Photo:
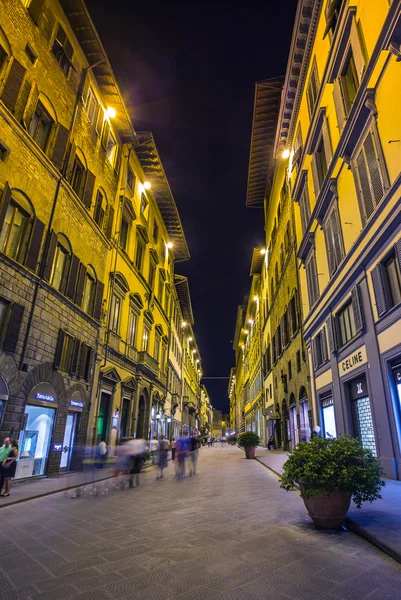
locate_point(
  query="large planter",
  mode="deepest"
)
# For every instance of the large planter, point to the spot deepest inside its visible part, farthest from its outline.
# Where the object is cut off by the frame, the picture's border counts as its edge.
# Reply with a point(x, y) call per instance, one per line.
point(327, 511)
point(250, 452)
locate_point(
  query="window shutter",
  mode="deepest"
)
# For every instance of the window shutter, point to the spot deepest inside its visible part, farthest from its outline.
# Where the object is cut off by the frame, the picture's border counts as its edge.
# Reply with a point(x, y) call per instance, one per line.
point(80, 285)
point(337, 235)
point(339, 102)
point(327, 141)
point(283, 337)
point(314, 352)
point(289, 321)
point(82, 360)
point(32, 257)
point(74, 357)
point(357, 308)
point(70, 160)
point(4, 202)
point(364, 184)
point(110, 219)
point(35, 9)
point(72, 279)
point(330, 245)
point(398, 252)
point(374, 169)
point(30, 106)
point(323, 345)
point(59, 349)
point(66, 274)
point(13, 84)
point(13, 329)
point(357, 50)
point(98, 207)
point(60, 145)
point(89, 187)
point(378, 288)
point(51, 246)
point(315, 176)
point(89, 354)
point(331, 334)
point(97, 306)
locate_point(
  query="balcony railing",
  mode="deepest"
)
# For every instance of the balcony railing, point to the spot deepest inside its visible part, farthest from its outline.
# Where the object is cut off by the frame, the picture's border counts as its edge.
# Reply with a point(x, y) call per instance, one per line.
point(116, 342)
point(148, 361)
point(131, 352)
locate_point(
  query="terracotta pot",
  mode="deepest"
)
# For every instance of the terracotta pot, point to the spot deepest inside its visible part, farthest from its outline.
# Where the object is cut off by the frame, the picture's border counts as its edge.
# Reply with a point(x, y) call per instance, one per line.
point(250, 452)
point(327, 511)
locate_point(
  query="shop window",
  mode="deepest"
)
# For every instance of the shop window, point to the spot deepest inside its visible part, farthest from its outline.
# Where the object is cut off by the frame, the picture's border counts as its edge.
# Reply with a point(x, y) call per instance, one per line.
point(139, 253)
point(115, 314)
point(89, 290)
point(16, 228)
point(132, 328)
point(312, 279)
point(62, 50)
point(145, 338)
point(334, 239)
point(34, 442)
point(346, 324)
point(387, 281)
point(130, 179)
point(369, 172)
point(304, 205)
point(151, 275)
point(124, 232)
point(41, 126)
point(100, 213)
point(66, 353)
point(61, 264)
point(312, 89)
point(78, 176)
point(328, 417)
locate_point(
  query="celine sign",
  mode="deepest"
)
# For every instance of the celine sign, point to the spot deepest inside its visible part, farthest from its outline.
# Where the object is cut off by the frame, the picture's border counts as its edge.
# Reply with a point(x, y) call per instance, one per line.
point(76, 403)
point(45, 397)
point(353, 361)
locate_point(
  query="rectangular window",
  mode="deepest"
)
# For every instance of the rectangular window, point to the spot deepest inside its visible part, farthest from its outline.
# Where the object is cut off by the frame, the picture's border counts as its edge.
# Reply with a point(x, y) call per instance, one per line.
point(334, 240)
point(304, 205)
point(346, 326)
point(59, 266)
point(130, 179)
point(392, 275)
point(99, 215)
point(66, 353)
point(350, 83)
point(124, 233)
point(298, 360)
point(140, 249)
point(321, 162)
point(155, 232)
point(115, 311)
point(92, 107)
point(329, 422)
point(78, 177)
point(63, 50)
point(132, 328)
point(167, 302)
point(144, 204)
point(108, 141)
point(369, 173)
point(152, 272)
point(15, 231)
point(41, 126)
point(313, 89)
point(289, 370)
point(156, 348)
point(160, 289)
point(30, 54)
point(319, 349)
point(312, 280)
point(145, 338)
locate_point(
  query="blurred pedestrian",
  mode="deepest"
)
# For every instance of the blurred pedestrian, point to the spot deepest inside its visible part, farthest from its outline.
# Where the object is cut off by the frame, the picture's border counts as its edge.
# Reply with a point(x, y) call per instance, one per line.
point(173, 449)
point(270, 443)
point(182, 450)
point(138, 451)
point(162, 451)
point(153, 449)
point(193, 455)
point(209, 441)
point(8, 465)
point(102, 452)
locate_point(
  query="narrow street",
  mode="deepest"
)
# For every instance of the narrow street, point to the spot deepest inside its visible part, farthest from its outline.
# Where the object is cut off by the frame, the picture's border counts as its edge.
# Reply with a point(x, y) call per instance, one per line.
point(227, 533)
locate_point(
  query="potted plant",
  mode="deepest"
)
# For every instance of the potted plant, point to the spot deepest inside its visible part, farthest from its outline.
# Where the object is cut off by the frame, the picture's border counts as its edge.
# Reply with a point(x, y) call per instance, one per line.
point(248, 441)
point(330, 472)
point(232, 440)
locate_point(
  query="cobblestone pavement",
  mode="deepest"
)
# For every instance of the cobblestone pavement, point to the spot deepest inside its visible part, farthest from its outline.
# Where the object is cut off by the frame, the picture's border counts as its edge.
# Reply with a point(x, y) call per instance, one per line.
point(228, 533)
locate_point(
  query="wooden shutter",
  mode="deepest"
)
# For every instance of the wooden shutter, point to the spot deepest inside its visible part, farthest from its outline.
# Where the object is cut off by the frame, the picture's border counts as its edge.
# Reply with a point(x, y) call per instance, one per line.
point(60, 145)
point(398, 253)
point(89, 187)
point(35, 9)
point(4, 202)
point(70, 160)
point(315, 176)
point(357, 50)
point(98, 207)
point(51, 245)
point(97, 305)
point(66, 274)
point(323, 345)
point(364, 184)
point(110, 219)
point(314, 352)
point(32, 257)
point(89, 354)
point(72, 278)
point(23, 100)
point(337, 235)
point(79, 292)
point(331, 334)
point(327, 141)
point(13, 329)
point(59, 349)
point(329, 236)
point(374, 168)
point(379, 290)
point(82, 360)
point(30, 106)
point(357, 308)
point(75, 357)
point(339, 102)
point(13, 84)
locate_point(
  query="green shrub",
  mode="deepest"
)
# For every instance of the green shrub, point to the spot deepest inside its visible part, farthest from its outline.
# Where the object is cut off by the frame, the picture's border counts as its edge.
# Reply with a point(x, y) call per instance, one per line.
point(232, 440)
point(335, 465)
point(248, 439)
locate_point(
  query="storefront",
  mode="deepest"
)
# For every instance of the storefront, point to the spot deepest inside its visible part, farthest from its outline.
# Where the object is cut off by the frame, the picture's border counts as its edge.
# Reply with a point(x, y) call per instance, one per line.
point(329, 428)
point(124, 419)
point(361, 413)
point(103, 418)
point(73, 422)
point(36, 435)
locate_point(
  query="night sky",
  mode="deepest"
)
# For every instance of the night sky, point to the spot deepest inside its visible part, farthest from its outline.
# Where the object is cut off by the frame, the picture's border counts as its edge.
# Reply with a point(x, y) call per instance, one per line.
point(187, 72)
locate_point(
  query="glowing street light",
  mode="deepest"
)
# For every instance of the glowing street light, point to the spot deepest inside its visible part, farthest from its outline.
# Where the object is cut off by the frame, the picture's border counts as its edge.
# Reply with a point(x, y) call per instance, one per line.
point(111, 112)
point(256, 298)
point(169, 244)
point(147, 185)
point(263, 251)
point(184, 324)
point(285, 153)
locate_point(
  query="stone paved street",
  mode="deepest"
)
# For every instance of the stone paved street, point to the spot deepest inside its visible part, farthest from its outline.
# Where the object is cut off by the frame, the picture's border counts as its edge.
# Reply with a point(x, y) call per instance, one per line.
point(229, 533)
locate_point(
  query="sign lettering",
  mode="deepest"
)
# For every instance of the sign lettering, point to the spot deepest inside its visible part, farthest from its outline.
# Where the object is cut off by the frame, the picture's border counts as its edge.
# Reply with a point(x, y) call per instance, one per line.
point(57, 447)
point(45, 397)
point(76, 403)
point(353, 361)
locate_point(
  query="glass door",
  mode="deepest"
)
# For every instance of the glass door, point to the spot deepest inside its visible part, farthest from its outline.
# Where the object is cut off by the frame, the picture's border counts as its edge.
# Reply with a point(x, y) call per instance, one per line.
point(68, 442)
point(35, 440)
point(103, 417)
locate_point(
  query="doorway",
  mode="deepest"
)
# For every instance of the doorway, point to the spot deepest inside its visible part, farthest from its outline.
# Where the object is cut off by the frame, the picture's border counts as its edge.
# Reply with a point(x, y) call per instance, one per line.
point(103, 417)
point(68, 442)
point(124, 418)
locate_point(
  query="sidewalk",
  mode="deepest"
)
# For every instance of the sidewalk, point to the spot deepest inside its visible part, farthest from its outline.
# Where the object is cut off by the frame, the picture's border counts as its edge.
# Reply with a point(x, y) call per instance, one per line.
point(380, 522)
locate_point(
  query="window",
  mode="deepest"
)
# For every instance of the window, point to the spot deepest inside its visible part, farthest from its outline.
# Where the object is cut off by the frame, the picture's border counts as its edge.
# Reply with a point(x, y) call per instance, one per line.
point(152, 272)
point(62, 50)
point(16, 229)
point(334, 240)
point(312, 280)
point(391, 272)
point(144, 204)
point(387, 281)
point(89, 291)
point(160, 289)
point(92, 107)
point(145, 338)
point(66, 353)
point(346, 324)
point(130, 179)
point(3, 57)
point(304, 205)
point(41, 126)
point(297, 147)
point(61, 265)
point(132, 328)
point(100, 213)
point(298, 361)
point(369, 173)
point(4, 312)
point(115, 312)
point(156, 352)
point(350, 83)
point(313, 89)
point(320, 162)
point(155, 234)
point(328, 418)
point(289, 370)
point(109, 142)
point(140, 249)
point(30, 54)
point(293, 321)
point(332, 12)
point(78, 176)
point(167, 301)
point(319, 347)
point(124, 232)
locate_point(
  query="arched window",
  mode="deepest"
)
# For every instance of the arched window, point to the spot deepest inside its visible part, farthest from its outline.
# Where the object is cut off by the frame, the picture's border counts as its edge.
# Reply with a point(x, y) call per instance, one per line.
point(61, 263)
point(89, 290)
point(5, 50)
point(17, 224)
point(41, 120)
point(100, 213)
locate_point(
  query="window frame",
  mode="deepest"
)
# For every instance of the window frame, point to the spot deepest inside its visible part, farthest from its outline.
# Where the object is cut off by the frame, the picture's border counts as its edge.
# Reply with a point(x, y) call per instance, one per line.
point(24, 233)
point(115, 313)
point(59, 51)
point(312, 277)
point(313, 82)
point(349, 309)
point(34, 134)
point(332, 233)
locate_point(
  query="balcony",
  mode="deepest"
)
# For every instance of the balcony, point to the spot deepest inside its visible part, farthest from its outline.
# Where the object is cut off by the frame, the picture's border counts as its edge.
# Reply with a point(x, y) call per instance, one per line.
point(116, 343)
point(148, 363)
point(131, 352)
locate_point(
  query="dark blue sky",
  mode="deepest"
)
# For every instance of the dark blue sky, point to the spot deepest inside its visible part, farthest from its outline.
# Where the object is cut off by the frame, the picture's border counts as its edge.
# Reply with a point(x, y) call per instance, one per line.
point(187, 72)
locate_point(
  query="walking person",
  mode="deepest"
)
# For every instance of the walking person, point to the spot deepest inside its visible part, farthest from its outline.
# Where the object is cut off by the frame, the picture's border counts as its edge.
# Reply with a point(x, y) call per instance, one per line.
point(153, 449)
point(137, 453)
point(102, 452)
point(162, 451)
point(193, 455)
point(8, 467)
point(173, 449)
point(181, 457)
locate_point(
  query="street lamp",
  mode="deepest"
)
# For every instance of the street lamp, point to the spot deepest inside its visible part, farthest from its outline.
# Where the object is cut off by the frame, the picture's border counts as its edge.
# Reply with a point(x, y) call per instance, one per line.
point(111, 112)
point(147, 185)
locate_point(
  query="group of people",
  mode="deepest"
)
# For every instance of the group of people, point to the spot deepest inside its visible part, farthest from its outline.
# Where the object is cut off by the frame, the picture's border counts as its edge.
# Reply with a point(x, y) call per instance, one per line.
point(185, 450)
point(8, 465)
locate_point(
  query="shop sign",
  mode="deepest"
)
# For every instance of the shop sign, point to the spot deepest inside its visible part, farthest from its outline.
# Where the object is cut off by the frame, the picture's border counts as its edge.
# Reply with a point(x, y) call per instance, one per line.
point(77, 403)
point(57, 447)
point(353, 361)
point(358, 388)
point(44, 397)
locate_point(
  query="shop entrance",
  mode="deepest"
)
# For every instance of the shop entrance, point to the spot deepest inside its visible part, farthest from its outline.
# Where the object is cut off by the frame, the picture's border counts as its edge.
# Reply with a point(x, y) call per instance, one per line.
point(124, 418)
point(103, 417)
point(328, 418)
point(362, 413)
point(68, 442)
point(35, 440)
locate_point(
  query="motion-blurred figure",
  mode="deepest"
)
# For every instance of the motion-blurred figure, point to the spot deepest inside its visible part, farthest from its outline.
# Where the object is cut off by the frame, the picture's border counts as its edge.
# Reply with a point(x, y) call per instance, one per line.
point(182, 452)
point(161, 460)
point(173, 449)
point(153, 449)
point(137, 449)
point(193, 454)
point(102, 452)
